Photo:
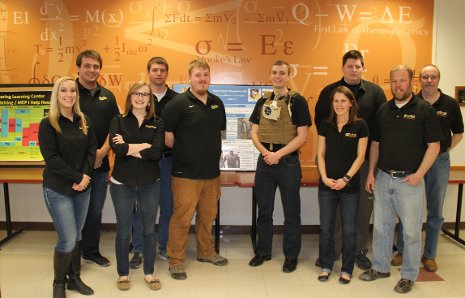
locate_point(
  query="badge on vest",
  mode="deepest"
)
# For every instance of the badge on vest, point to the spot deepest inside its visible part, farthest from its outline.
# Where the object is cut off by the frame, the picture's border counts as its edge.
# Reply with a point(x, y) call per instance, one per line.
point(271, 111)
point(102, 98)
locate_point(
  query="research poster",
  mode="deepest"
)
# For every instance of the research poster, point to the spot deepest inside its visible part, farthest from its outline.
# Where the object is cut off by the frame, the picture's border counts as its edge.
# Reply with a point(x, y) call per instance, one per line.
point(238, 151)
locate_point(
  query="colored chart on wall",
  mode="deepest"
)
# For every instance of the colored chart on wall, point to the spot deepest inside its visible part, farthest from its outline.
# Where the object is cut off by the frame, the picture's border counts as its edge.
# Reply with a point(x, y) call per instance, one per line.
point(21, 110)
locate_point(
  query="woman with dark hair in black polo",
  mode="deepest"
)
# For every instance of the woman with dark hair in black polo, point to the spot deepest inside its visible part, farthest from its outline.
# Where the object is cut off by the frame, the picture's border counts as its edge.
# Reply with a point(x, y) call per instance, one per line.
point(342, 142)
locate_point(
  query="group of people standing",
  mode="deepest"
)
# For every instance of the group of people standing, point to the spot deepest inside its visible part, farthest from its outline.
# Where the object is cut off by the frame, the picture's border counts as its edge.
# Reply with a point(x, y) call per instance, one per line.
point(167, 147)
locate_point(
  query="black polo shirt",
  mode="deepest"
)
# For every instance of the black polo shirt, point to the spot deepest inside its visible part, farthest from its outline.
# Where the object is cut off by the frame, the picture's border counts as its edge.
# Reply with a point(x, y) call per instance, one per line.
point(161, 102)
point(100, 108)
point(369, 97)
point(341, 151)
point(450, 118)
point(160, 106)
point(403, 134)
point(299, 110)
point(197, 134)
point(68, 155)
point(131, 170)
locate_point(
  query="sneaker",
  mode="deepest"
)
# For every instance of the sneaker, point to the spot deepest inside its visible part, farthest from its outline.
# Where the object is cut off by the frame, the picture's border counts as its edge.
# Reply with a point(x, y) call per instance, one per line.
point(177, 271)
point(136, 260)
point(214, 259)
point(97, 259)
point(372, 274)
point(162, 255)
point(362, 261)
point(404, 286)
point(429, 264)
point(397, 260)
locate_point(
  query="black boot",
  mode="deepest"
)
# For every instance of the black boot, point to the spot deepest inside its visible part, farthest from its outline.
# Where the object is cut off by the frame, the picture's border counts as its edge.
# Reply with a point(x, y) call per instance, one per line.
point(74, 273)
point(61, 263)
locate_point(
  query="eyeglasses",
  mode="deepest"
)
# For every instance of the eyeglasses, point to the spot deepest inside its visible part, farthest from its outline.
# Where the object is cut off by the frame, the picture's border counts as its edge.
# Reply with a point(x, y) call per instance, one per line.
point(143, 94)
point(433, 78)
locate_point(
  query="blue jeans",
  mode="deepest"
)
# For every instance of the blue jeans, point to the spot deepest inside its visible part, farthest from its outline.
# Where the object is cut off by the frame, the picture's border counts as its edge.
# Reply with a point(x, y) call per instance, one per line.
point(287, 175)
point(395, 197)
point(91, 231)
point(68, 214)
point(166, 201)
point(348, 205)
point(124, 200)
point(137, 230)
point(436, 180)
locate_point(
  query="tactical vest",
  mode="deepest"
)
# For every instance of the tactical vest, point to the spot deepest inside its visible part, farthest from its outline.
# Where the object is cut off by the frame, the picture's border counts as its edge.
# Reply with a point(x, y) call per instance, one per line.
point(280, 131)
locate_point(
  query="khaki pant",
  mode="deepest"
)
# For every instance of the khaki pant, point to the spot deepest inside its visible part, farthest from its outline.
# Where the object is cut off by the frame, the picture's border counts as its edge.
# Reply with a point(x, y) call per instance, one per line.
point(189, 196)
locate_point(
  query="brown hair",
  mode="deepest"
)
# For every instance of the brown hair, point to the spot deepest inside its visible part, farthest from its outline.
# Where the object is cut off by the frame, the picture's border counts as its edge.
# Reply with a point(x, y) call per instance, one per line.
point(282, 62)
point(353, 109)
point(150, 106)
point(157, 60)
point(89, 54)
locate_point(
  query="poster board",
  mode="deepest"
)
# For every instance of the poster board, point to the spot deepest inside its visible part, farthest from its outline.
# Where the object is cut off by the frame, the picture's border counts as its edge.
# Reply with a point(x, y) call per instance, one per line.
point(22, 107)
point(238, 151)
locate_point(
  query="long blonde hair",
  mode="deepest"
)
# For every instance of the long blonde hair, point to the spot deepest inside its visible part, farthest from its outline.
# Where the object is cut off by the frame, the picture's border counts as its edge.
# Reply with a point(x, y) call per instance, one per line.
point(54, 112)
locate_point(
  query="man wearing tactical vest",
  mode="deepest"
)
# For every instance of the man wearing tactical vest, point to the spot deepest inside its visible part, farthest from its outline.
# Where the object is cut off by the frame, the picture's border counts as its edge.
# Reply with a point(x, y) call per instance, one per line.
point(279, 128)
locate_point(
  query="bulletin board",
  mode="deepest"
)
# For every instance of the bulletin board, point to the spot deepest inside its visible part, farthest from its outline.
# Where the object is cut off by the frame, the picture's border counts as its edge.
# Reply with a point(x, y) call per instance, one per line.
point(22, 107)
point(39, 40)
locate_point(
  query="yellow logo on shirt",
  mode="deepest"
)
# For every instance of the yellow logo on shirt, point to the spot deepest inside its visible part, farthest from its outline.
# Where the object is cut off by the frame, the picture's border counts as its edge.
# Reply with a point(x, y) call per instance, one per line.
point(409, 117)
point(441, 114)
point(214, 107)
point(102, 98)
point(350, 135)
point(150, 126)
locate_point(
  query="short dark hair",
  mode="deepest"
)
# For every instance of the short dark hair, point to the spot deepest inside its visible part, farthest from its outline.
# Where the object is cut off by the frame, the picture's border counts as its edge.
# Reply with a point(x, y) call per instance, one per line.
point(282, 62)
point(353, 54)
point(89, 54)
point(157, 60)
point(402, 67)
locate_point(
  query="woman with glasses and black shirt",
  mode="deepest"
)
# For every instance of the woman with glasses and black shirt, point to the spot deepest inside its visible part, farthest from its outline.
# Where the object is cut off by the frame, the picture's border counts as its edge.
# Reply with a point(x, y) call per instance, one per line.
point(137, 138)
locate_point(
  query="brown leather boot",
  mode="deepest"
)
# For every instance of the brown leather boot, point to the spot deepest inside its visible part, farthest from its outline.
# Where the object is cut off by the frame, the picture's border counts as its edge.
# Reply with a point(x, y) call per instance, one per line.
point(60, 265)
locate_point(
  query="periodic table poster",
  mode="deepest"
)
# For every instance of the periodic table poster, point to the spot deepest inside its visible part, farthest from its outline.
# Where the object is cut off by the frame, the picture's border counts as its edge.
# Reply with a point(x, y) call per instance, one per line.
point(39, 40)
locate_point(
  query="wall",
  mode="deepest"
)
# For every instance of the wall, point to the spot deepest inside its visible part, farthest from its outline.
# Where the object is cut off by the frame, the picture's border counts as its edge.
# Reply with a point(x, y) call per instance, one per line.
point(448, 56)
point(27, 203)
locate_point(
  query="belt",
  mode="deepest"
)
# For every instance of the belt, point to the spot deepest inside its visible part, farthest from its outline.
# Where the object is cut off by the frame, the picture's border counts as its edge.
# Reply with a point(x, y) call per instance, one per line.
point(397, 174)
point(275, 147)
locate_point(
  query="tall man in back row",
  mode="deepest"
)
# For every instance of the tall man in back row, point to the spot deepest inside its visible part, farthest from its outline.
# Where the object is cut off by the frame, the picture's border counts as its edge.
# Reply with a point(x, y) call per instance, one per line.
point(437, 178)
point(99, 104)
point(405, 143)
point(280, 121)
point(369, 97)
